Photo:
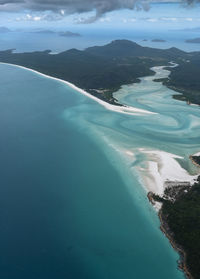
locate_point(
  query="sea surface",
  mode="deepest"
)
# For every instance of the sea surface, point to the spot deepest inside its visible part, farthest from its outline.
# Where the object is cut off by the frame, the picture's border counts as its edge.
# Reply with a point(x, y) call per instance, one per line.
point(72, 204)
point(25, 41)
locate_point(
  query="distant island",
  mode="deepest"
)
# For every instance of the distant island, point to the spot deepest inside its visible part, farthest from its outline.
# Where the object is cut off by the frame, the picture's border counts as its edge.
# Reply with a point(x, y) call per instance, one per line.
point(61, 33)
point(195, 29)
point(102, 70)
point(45, 32)
point(193, 41)
point(69, 34)
point(4, 29)
point(158, 41)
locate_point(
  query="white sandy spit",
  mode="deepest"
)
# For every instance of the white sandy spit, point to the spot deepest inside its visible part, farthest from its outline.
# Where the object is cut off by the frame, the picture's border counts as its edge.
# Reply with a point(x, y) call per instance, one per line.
point(121, 109)
point(196, 154)
point(163, 167)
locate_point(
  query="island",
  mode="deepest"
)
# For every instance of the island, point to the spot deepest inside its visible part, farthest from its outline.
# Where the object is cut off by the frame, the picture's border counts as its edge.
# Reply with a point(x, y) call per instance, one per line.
point(158, 41)
point(61, 33)
point(193, 41)
point(4, 29)
point(102, 70)
point(44, 32)
point(69, 34)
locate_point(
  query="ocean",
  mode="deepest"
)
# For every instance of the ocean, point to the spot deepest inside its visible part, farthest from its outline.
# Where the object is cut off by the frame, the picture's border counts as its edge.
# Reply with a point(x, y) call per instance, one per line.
point(25, 41)
point(72, 205)
point(74, 175)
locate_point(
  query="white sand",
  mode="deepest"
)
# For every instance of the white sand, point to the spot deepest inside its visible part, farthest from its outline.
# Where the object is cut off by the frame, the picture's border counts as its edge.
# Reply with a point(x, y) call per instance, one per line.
point(196, 154)
point(120, 109)
point(162, 167)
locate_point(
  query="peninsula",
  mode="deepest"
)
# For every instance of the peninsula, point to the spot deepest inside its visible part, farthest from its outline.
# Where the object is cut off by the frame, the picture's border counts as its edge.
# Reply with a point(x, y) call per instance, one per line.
point(102, 70)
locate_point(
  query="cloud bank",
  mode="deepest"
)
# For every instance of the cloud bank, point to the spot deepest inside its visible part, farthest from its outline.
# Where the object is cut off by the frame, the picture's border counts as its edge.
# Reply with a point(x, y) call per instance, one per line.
point(66, 7)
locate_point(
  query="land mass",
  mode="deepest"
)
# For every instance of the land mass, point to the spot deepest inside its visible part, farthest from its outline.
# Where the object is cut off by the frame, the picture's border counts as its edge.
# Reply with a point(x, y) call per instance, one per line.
point(193, 41)
point(101, 70)
point(64, 33)
point(180, 221)
point(69, 34)
point(158, 41)
point(4, 29)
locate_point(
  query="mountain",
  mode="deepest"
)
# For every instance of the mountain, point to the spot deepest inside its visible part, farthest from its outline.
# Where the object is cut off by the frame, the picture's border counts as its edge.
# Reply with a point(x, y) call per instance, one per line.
point(125, 48)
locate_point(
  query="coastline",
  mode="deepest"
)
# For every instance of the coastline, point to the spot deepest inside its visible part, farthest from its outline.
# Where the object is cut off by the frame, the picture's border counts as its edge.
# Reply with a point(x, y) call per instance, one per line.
point(155, 199)
point(158, 160)
point(183, 256)
point(120, 109)
point(169, 235)
point(162, 168)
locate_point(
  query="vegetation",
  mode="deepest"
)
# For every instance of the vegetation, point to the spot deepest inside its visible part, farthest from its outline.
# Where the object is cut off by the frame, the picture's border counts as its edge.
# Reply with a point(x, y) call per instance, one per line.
point(102, 70)
point(196, 159)
point(185, 79)
point(181, 217)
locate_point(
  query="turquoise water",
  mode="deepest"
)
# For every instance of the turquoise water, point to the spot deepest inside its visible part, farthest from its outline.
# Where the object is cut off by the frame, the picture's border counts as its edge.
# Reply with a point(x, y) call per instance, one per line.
point(72, 204)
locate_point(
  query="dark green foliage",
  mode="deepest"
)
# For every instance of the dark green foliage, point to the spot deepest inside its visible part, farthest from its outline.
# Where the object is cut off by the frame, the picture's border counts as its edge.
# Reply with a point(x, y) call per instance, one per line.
point(183, 219)
point(86, 69)
point(196, 159)
point(185, 79)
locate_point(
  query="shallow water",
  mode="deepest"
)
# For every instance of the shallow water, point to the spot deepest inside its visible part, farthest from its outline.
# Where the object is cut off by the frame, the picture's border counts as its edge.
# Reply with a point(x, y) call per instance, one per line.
point(72, 201)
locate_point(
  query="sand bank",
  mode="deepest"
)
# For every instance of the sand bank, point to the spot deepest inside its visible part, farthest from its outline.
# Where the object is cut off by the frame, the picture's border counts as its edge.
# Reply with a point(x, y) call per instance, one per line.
point(162, 167)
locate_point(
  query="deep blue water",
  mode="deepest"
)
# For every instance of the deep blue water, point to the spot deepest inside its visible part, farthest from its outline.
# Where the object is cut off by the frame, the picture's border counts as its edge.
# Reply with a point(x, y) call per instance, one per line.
point(66, 211)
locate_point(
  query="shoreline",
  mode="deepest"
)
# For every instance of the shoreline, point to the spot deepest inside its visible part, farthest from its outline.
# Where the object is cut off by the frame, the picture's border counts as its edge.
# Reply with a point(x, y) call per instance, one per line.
point(183, 256)
point(161, 169)
point(169, 235)
point(164, 227)
point(119, 109)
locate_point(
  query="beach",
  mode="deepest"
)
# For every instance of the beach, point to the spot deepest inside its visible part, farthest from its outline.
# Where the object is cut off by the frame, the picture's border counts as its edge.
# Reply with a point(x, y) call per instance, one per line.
point(123, 109)
point(161, 166)
point(72, 202)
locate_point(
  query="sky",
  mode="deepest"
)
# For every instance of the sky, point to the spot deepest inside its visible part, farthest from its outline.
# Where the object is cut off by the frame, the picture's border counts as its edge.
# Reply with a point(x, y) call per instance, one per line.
point(98, 13)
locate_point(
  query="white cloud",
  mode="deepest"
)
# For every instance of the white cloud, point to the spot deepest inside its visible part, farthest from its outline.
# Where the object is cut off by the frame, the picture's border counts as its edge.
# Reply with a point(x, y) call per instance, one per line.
point(133, 19)
point(189, 19)
point(105, 19)
point(39, 17)
point(152, 19)
point(168, 18)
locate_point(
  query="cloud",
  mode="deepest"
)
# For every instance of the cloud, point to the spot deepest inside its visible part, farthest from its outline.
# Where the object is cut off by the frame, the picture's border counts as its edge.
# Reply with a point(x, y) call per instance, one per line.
point(39, 17)
point(168, 18)
point(67, 7)
point(152, 19)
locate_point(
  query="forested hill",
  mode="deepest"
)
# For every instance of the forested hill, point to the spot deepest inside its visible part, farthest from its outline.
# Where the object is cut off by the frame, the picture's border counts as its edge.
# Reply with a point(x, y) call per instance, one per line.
point(102, 70)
